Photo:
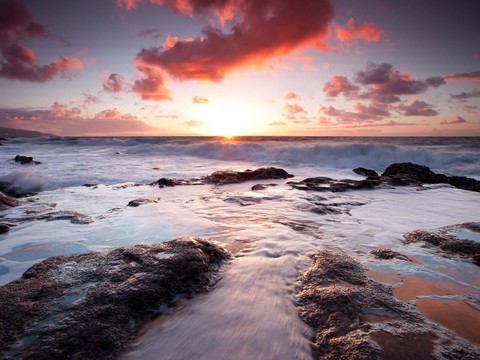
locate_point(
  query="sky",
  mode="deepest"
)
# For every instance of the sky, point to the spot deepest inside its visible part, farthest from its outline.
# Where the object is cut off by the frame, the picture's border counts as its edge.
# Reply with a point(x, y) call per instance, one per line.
point(241, 67)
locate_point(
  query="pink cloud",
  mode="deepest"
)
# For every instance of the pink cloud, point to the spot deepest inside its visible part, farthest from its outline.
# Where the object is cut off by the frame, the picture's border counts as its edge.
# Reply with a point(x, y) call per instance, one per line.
point(152, 85)
point(263, 30)
point(456, 120)
point(277, 123)
point(170, 42)
point(291, 96)
point(354, 30)
point(62, 120)
point(199, 100)
point(18, 62)
point(340, 85)
point(471, 76)
point(417, 108)
point(361, 114)
point(113, 83)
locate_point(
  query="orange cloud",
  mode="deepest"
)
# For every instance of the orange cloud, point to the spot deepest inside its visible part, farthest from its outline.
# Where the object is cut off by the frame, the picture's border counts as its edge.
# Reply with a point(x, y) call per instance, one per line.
point(354, 30)
point(263, 30)
point(291, 96)
point(471, 76)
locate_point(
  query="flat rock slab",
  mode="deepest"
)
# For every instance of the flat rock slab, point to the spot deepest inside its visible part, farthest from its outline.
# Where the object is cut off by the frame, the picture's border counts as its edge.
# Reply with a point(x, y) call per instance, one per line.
point(354, 317)
point(90, 306)
point(445, 240)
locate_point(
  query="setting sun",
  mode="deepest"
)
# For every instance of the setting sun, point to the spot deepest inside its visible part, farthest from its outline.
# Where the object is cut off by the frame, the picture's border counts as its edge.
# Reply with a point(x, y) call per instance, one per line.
point(227, 118)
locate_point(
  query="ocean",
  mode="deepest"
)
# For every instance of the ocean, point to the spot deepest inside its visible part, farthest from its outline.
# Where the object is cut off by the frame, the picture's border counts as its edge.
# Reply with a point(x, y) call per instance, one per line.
point(251, 312)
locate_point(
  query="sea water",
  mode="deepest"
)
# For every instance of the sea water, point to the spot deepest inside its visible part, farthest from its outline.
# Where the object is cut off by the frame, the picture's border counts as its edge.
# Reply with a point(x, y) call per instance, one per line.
point(250, 313)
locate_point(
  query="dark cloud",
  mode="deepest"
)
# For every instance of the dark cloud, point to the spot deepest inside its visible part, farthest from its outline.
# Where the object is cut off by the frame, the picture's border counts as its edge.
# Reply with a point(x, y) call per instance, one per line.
point(374, 74)
point(417, 108)
point(154, 33)
point(262, 30)
point(18, 62)
point(466, 95)
point(114, 83)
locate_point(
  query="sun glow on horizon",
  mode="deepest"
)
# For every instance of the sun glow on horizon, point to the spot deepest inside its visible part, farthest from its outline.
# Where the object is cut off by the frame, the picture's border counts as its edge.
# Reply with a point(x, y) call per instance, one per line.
point(227, 118)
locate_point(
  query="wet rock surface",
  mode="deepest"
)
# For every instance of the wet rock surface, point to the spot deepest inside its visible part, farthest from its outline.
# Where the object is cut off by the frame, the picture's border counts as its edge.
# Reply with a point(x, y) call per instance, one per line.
point(388, 254)
point(357, 318)
point(443, 239)
point(7, 202)
point(138, 202)
point(90, 306)
point(227, 177)
point(400, 174)
point(365, 172)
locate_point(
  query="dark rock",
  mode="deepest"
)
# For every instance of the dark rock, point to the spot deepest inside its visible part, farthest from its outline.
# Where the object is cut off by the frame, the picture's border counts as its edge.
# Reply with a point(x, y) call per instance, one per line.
point(4, 228)
point(401, 174)
point(259, 187)
point(138, 202)
point(228, 177)
point(365, 172)
point(336, 298)
point(417, 172)
point(90, 185)
point(25, 160)
point(446, 242)
point(91, 306)
point(7, 202)
point(388, 254)
point(236, 177)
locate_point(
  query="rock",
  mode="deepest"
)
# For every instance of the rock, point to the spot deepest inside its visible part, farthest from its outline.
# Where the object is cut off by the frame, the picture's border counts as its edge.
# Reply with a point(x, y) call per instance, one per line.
point(4, 228)
point(91, 306)
point(7, 202)
point(25, 160)
point(259, 187)
point(91, 185)
point(401, 174)
point(74, 217)
point(138, 202)
point(227, 177)
point(336, 299)
point(236, 177)
point(388, 254)
point(365, 172)
point(446, 242)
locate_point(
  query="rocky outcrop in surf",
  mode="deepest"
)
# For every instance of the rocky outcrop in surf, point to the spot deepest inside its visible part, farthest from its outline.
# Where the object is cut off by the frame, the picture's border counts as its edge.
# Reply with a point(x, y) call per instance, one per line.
point(225, 177)
point(399, 174)
point(90, 306)
point(26, 160)
point(355, 317)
